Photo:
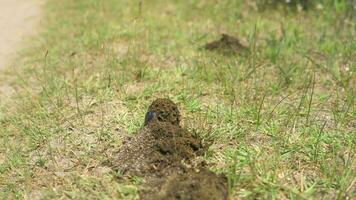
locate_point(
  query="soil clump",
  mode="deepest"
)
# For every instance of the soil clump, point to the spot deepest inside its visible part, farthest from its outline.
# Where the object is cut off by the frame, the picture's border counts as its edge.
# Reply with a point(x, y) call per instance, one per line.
point(200, 184)
point(163, 153)
point(227, 45)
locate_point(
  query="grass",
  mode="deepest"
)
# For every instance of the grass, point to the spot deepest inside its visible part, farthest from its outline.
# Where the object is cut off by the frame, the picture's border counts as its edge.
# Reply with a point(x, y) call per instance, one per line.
point(282, 119)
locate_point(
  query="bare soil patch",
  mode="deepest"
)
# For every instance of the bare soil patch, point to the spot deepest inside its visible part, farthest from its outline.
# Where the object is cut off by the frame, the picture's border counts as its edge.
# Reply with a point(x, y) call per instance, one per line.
point(164, 154)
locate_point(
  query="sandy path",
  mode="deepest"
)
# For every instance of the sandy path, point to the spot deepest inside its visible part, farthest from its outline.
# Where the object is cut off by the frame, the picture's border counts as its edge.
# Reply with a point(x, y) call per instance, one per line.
point(17, 19)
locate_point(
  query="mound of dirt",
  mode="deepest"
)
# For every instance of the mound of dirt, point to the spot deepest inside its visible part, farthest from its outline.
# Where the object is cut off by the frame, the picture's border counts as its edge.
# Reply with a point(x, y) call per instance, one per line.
point(155, 148)
point(227, 45)
point(201, 184)
point(164, 153)
point(163, 110)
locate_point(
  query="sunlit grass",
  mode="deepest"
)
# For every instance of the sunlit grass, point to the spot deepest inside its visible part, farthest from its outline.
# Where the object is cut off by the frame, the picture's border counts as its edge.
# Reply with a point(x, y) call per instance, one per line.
point(281, 119)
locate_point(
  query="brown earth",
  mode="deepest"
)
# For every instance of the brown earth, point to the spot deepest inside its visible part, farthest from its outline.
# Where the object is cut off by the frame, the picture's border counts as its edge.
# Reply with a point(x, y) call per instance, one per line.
point(227, 45)
point(164, 154)
point(165, 110)
point(200, 184)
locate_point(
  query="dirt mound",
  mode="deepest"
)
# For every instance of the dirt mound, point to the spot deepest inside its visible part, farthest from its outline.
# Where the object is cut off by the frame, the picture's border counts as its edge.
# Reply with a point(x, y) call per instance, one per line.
point(164, 153)
point(227, 45)
point(201, 184)
point(163, 110)
point(156, 147)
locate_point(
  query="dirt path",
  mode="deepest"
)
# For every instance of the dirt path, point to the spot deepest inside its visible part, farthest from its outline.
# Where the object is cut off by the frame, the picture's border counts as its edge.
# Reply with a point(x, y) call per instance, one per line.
point(17, 19)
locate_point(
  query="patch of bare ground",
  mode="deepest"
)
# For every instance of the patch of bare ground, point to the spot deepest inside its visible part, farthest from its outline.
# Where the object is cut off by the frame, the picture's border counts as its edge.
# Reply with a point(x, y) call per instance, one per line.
point(164, 154)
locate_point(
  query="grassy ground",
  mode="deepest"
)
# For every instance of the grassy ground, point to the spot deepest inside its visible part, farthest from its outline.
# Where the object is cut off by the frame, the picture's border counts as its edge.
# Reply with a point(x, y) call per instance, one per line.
point(282, 119)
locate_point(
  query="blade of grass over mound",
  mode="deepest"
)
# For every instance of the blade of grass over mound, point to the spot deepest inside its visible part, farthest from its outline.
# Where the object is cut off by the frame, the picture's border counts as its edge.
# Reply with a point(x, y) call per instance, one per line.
point(280, 119)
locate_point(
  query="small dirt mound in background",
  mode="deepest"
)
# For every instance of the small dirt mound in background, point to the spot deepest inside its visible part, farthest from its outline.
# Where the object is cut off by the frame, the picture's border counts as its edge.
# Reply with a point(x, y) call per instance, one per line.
point(227, 45)
point(163, 153)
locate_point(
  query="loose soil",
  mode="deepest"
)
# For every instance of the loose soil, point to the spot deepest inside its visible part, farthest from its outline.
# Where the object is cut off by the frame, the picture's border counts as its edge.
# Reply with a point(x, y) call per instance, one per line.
point(166, 111)
point(227, 45)
point(164, 154)
point(200, 184)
